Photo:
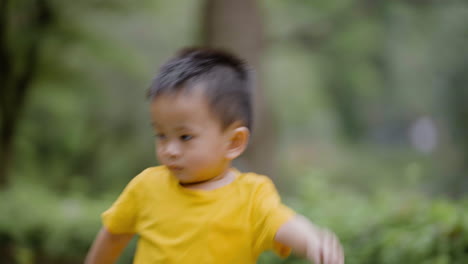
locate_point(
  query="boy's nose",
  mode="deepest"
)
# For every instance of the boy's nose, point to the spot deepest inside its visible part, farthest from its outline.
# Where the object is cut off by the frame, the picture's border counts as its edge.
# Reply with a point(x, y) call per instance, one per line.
point(172, 150)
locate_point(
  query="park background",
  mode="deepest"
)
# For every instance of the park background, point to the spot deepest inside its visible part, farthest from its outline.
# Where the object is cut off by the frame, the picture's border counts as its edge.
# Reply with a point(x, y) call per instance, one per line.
point(362, 116)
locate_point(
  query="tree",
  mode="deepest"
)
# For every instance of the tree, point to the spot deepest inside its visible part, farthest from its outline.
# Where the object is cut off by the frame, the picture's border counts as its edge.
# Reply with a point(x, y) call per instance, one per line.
point(19, 54)
point(237, 26)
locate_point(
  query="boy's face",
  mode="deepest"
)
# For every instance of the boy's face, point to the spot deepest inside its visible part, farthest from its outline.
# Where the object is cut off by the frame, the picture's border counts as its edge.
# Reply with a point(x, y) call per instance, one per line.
point(190, 141)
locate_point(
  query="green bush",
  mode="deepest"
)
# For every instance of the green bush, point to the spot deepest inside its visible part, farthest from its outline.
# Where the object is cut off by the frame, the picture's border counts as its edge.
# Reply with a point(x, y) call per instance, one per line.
point(39, 226)
point(386, 226)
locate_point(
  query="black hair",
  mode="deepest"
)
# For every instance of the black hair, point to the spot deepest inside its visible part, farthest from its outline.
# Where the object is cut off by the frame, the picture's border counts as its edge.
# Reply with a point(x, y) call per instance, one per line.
point(226, 81)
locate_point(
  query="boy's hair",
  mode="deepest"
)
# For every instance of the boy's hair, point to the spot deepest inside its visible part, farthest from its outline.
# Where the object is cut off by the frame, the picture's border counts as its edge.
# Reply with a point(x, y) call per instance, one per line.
point(226, 80)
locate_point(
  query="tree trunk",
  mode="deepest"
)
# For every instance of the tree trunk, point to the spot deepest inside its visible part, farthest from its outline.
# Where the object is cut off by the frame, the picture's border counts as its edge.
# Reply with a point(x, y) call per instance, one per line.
point(236, 26)
point(14, 85)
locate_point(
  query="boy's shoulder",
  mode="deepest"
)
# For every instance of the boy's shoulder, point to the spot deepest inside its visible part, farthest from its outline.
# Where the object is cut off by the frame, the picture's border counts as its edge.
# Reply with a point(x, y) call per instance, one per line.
point(256, 182)
point(252, 178)
point(160, 171)
point(151, 176)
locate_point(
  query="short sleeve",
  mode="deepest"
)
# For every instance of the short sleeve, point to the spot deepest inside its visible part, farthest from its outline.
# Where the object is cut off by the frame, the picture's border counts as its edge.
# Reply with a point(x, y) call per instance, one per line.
point(121, 217)
point(269, 215)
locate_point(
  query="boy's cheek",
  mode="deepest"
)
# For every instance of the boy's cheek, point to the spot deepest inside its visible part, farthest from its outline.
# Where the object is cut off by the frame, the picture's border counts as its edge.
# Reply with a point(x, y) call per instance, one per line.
point(160, 157)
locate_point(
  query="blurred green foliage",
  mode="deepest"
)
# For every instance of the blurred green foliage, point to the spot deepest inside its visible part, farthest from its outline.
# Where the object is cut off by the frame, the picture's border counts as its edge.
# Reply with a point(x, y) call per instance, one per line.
point(347, 81)
point(43, 227)
point(385, 225)
point(375, 227)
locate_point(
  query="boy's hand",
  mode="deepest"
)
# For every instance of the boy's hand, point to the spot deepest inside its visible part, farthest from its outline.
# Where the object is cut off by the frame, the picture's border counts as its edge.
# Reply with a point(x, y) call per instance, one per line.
point(318, 245)
point(327, 249)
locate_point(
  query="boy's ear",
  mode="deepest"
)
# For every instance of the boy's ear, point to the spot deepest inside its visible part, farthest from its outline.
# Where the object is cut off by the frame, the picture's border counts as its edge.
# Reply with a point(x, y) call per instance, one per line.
point(238, 141)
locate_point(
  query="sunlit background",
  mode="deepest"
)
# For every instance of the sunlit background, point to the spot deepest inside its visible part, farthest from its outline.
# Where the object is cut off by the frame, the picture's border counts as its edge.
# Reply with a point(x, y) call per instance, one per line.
point(361, 116)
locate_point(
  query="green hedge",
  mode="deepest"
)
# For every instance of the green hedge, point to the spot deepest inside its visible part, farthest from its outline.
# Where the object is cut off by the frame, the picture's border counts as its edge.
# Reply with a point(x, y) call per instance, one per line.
point(385, 226)
point(39, 226)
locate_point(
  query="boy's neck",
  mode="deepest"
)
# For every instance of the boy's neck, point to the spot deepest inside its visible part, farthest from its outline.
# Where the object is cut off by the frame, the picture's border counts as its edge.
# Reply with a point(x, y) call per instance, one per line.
point(221, 180)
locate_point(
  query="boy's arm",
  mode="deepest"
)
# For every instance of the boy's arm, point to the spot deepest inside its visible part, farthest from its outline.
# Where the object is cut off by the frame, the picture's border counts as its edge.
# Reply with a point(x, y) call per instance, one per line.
point(107, 247)
point(316, 244)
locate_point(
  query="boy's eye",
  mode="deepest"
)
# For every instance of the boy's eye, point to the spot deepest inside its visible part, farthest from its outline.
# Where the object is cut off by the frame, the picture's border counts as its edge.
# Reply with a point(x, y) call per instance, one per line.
point(160, 136)
point(186, 137)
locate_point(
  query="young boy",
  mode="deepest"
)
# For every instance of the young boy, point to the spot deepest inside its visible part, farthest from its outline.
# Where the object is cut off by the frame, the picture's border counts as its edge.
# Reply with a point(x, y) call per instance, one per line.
point(196, 208)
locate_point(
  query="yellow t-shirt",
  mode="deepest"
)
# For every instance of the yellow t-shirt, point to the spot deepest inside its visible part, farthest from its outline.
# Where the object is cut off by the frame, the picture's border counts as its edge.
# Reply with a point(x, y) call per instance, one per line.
point(231, 224)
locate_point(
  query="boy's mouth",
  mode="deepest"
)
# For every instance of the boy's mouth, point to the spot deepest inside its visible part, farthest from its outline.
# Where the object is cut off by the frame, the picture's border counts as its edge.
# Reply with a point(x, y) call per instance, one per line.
point(174, 167)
